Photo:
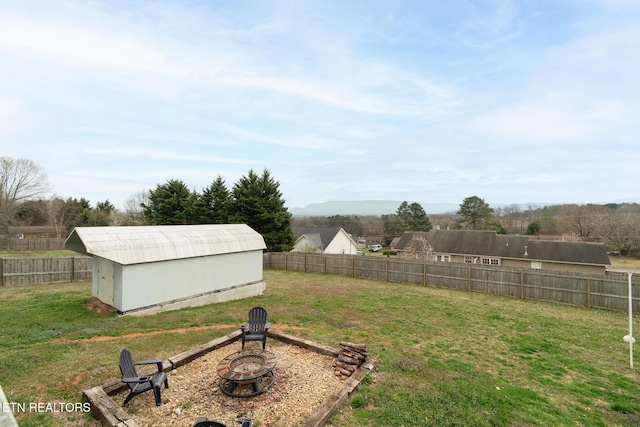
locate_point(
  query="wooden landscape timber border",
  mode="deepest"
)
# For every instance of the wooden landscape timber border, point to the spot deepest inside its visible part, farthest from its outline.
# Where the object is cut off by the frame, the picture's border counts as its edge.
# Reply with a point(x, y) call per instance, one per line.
point(112, 414)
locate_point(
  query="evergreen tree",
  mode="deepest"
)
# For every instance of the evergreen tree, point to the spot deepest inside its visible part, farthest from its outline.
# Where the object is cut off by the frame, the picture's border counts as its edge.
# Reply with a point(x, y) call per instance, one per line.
point(408, 217)
point(257, 201)
point(170, 203)
point(533, 229)
point(476, 213)
point(214, 203)
point(32, 212)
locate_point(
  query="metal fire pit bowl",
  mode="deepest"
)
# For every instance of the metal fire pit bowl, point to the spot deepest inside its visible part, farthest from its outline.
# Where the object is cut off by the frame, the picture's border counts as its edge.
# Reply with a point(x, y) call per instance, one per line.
point(247, 373)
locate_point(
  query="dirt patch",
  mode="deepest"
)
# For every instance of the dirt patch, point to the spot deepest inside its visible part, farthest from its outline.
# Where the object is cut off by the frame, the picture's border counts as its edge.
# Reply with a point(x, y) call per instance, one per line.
point(99, 338)
point(97, 306)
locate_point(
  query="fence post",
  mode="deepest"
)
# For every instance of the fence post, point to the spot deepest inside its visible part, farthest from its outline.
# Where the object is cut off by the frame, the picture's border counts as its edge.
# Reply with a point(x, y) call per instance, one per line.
point(1, 271)
point(588, 292)
point(353, 267)
point(469, 279)
point(386, 273)
point(521, 284)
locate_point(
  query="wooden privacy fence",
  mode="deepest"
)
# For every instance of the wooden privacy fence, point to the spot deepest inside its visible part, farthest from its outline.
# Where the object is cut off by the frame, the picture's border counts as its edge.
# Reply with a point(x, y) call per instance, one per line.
point(13, 244)
point(609, 290)
point(32, 270)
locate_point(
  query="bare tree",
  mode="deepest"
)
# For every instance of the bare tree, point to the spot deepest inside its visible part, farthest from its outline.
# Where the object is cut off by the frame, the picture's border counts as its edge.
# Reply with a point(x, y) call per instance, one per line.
point(579, 218)
point(58, 214)
point(20, 180)
point(419, 248)
point(619, 230)
point(133, 213)
point(570, 237)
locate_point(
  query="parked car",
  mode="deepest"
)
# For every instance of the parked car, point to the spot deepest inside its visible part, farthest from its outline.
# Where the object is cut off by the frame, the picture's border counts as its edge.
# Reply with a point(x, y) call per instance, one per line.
point(374, 248)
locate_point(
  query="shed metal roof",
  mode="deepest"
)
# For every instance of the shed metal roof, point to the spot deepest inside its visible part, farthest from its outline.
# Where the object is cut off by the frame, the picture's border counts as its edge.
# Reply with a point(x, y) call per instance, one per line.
point(140, 244)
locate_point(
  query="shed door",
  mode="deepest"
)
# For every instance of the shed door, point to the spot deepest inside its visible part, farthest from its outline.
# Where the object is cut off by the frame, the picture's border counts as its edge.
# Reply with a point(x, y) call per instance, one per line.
point(105, 281)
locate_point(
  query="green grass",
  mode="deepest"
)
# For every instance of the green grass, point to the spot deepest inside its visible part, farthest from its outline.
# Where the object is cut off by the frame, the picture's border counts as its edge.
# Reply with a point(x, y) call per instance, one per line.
point(32, 253)
point(443, 357)
point(625, 262)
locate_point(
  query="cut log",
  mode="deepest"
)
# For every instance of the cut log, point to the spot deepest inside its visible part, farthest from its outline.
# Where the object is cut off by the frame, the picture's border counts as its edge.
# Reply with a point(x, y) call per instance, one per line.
point(346, 366)
point(354, 355)
point(349, 360)
point(352, 345)
point(344, 372)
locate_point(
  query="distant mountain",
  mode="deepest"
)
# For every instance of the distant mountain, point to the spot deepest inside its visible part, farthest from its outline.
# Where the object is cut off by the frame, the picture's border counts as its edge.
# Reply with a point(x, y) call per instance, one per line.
point(385, 207)
point(366, 207)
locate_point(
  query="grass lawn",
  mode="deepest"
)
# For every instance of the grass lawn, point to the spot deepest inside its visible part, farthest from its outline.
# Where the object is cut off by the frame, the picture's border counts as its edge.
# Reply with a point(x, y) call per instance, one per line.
point(624, 262)
point(444, 357)
point(43, 253)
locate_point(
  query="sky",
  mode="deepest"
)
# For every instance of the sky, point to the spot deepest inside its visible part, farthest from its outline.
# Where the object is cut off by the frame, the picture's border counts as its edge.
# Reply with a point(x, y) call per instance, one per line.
point(520, 101)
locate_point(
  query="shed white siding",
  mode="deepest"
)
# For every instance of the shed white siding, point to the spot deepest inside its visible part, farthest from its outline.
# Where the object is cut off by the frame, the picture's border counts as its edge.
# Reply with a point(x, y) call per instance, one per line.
point(166, 266)
point(199, 275)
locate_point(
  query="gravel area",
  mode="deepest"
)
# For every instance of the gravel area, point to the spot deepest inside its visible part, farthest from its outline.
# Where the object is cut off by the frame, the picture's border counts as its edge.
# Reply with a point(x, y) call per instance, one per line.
point(303, 379)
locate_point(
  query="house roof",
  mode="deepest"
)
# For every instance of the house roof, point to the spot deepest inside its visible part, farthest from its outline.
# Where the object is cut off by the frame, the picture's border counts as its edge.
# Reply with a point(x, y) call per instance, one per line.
point(140, 244)
point(32, 229)
point(320, 236)
point(491, 244)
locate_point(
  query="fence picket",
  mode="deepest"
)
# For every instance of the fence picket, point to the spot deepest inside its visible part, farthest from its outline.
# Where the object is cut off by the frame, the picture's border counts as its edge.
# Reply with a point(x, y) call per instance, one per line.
point(598, 291)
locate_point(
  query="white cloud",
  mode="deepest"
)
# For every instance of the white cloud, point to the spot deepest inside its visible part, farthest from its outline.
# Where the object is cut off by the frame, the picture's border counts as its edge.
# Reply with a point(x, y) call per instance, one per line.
point(84, 45)
point(337, 100)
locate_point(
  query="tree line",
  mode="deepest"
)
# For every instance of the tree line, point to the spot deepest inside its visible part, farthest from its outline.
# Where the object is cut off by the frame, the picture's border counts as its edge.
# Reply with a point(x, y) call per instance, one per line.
point(257, 201)
point(615, 225)
point(254, 200)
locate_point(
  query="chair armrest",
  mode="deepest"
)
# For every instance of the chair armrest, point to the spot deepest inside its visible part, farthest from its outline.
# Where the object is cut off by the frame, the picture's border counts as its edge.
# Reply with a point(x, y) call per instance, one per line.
point(267, 326)
point(157, 362)
point(135, 379)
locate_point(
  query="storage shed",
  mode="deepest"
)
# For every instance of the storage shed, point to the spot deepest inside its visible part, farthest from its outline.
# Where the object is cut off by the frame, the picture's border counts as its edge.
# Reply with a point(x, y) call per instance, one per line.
point(146, 269)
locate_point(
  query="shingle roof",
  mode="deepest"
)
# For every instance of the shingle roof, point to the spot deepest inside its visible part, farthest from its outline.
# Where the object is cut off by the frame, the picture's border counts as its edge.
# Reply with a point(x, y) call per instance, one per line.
point(491, 244)
point(321, 236)
point(134, 245)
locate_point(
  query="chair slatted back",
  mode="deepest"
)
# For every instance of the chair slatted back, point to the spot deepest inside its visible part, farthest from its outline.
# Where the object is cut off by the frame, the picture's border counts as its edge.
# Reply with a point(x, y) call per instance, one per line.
point(257, 319)
point(204, 422)
point(127, 367)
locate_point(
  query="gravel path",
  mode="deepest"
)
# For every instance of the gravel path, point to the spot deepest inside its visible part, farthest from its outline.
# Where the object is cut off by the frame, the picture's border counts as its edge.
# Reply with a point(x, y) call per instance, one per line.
point(303, 380)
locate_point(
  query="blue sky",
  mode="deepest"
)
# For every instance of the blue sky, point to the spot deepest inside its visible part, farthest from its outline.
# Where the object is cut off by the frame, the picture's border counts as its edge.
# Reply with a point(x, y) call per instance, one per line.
point(430, 101)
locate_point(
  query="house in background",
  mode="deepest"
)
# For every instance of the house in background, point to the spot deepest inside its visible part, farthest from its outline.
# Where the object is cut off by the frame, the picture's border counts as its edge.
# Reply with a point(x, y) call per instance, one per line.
point(147, 269)
point(325, 240)
point(490, 248)
point(34, 232)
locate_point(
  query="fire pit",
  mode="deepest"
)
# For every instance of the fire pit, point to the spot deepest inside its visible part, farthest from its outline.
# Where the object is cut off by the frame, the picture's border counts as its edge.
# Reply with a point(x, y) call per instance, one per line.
point(246, 373)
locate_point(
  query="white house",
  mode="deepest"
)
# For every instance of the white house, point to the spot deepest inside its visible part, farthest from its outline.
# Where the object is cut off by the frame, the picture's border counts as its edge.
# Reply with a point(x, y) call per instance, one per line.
point(146, 269)
point(326, 240)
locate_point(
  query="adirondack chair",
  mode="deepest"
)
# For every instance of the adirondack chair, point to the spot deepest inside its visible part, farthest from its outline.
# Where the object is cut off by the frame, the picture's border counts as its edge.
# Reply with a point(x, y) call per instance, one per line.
point(256, 328)
point(205, 422)
point(138, 384)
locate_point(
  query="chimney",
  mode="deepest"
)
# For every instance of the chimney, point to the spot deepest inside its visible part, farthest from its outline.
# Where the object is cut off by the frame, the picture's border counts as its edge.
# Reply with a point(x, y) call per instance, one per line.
point(525, 251)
